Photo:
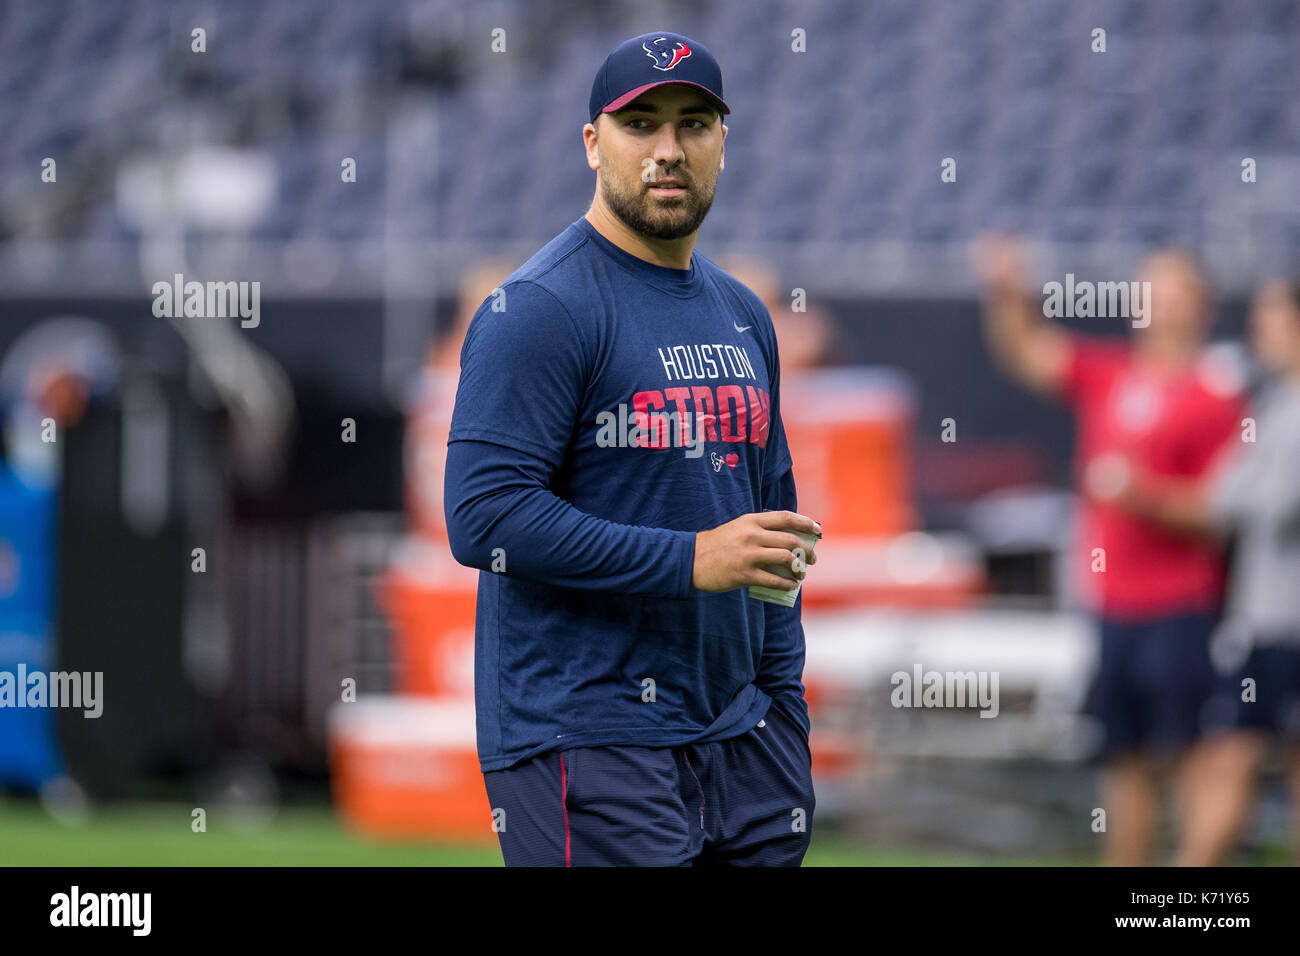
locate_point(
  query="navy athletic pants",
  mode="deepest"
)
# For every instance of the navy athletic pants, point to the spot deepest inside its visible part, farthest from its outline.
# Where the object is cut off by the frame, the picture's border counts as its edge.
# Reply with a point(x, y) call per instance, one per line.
point(746, 801)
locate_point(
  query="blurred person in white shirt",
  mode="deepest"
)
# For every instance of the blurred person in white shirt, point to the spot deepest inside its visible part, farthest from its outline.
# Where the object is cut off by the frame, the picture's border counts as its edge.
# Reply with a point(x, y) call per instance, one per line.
point(1253, 494)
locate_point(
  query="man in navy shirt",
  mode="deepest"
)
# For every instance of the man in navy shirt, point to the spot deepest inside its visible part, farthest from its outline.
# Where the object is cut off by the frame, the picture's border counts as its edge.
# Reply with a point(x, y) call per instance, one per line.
point(618, 471)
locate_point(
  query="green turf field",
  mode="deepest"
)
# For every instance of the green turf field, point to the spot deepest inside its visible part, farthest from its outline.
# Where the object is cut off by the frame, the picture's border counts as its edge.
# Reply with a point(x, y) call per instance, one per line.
point(160, 835)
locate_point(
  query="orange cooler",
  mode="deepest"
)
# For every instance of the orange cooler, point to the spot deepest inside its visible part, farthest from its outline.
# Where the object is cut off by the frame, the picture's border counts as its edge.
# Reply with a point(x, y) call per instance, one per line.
point(849, 436)
point(429, 599)
point(407, 767)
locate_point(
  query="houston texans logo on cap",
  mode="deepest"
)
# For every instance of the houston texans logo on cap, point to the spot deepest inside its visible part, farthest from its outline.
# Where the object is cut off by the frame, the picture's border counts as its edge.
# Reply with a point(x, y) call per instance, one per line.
point(665, 53)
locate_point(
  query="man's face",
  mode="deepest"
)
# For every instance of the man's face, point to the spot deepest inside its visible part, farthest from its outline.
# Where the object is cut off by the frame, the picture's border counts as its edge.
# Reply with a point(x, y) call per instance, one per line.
point(1179, 310)
point(1275, 327)
point(658, 160)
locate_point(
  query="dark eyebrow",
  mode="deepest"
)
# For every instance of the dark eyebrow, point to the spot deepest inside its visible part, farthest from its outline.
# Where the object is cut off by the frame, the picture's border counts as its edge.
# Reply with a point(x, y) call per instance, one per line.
point(652, 108)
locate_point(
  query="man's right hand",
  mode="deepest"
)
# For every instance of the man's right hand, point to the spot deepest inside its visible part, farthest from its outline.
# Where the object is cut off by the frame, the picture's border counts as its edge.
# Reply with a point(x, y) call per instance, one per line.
point(1030, 349)
point(734, 555)
point(999, 262)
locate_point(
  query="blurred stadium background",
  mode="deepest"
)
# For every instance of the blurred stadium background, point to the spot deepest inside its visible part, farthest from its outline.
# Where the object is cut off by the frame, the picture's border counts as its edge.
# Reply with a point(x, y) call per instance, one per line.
point(322, 555)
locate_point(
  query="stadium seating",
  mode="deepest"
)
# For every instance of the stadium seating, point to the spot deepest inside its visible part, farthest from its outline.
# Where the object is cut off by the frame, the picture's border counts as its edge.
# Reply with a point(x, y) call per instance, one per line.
point(843, 143)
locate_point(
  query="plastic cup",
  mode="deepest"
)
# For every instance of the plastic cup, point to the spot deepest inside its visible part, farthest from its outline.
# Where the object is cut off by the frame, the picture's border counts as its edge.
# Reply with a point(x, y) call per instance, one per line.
point(776, 595)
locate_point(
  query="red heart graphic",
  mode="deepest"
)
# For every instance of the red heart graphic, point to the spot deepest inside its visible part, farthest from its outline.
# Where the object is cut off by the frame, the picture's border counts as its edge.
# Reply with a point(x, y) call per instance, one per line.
point(732, 459)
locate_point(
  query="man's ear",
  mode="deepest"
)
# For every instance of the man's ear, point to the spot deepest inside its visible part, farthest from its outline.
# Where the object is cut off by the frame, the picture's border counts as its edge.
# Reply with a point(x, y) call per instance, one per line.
point(589, 140)
point(722, 159)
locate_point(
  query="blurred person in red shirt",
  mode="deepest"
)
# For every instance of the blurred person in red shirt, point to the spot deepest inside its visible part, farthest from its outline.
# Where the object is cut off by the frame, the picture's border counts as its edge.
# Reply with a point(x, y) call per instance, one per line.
point(1160, 405)
point(1253, 492)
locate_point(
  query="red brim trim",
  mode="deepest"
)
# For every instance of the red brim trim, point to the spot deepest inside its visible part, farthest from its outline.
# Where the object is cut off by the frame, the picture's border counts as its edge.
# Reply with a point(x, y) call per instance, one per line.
point(630, 95)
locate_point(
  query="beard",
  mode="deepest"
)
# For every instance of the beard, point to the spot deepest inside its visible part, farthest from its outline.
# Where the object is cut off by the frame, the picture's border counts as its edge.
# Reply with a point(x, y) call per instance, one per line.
point(656, 217)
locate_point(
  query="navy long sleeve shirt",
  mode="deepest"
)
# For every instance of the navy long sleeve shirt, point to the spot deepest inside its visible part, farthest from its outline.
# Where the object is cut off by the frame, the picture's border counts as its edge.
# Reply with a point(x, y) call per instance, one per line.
point(608, 409)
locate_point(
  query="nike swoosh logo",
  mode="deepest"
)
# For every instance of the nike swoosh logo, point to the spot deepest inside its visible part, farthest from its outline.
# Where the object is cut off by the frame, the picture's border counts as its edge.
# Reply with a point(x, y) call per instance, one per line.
point(741, 328)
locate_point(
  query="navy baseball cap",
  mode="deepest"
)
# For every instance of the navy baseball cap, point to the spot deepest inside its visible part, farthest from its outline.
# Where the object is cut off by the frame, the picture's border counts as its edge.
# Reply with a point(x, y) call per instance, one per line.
point(651, 60)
